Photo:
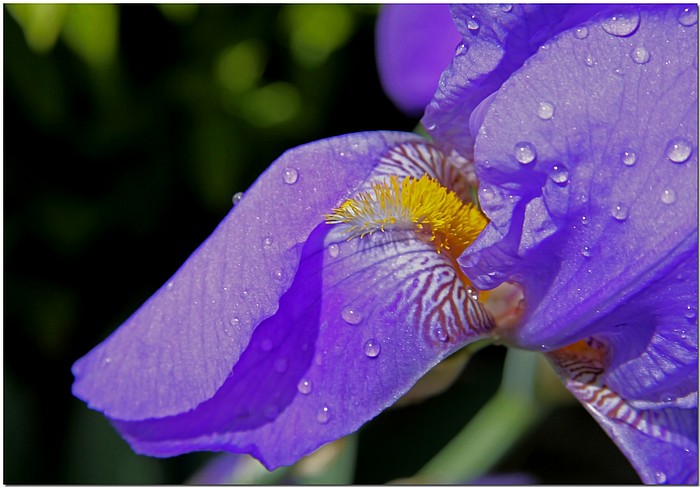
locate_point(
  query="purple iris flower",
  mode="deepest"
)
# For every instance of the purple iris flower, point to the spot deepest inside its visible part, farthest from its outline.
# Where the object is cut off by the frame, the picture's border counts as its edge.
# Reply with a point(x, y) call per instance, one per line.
point(351, 267)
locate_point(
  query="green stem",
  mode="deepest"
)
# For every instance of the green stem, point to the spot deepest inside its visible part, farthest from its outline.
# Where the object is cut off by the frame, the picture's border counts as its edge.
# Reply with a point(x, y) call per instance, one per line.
point(508, 415)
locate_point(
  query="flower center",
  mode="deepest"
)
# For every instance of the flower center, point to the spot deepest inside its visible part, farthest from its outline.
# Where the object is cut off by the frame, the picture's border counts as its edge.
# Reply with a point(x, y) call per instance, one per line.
point(423, 205)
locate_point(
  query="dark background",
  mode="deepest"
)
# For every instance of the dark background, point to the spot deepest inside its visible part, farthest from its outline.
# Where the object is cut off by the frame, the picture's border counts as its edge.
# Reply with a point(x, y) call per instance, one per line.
point(118, 162)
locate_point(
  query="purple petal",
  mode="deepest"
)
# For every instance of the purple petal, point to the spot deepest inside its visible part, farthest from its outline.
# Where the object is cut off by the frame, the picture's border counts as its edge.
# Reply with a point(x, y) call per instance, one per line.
point(178, 349)
point(496, 40)
point(361, 322)
point(414, 45)
point(575, 155)
point(660, 443)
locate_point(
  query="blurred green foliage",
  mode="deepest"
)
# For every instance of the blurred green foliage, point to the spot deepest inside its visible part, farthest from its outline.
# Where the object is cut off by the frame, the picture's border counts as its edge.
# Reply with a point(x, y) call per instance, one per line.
point(127, 131)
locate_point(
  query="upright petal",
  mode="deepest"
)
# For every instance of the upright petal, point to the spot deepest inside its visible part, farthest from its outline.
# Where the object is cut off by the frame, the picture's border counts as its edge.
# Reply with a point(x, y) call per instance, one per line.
point(178, 349)
point(414, 45)
point(496, 41)
point(588, 163)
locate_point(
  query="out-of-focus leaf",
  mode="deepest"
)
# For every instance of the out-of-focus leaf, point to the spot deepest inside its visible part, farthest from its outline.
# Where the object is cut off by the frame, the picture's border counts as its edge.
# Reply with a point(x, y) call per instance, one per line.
point(92, 32)
point(179, 13)
point(41, 23)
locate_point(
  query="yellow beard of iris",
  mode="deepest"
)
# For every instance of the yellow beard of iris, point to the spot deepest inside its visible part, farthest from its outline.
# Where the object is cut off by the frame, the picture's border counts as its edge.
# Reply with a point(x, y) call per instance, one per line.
point(422, 205)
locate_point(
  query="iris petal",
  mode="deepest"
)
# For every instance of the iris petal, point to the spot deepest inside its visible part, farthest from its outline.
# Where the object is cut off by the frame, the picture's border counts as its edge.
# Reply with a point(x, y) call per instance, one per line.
point(660, 443)
point(178, 349)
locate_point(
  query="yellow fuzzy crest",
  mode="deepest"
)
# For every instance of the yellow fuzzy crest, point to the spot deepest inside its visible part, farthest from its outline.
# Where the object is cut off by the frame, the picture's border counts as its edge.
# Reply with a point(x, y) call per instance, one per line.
point(422, 205)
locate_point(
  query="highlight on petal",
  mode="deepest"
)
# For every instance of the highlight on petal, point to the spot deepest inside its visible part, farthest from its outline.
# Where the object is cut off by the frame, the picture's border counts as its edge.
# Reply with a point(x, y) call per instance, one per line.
point(496, 41)
point(414, 45)
point(360, 322)
point(660, 443)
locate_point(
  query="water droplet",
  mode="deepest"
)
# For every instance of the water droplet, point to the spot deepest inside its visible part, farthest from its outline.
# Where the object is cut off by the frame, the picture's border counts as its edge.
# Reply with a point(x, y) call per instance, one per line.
point(372, 348)
point(525, 152)
point(440, 334)
point(333, 250)
point(585, 220)
point(690, 312)
point(622, 24)
point(236, 198)
point(506, 7)
point(267, 242)
point(320, 358)
point(266, 345)
point(688, 16)
point(472, 24)
point(235, 321)
point(581, 33)
point(678, 150)
point(559, 174)
point(640, 55)
point(323, 415)
point(290, 175)
point(461, 50)
point(628, 157)
point(589, 60)
point(304, 386)
point(668, 196)
point(351, 315)
point(108, 360)
point(660, 477)
point(586, 251)
point(473, 293)
point(545, 110)
point(277, 275)
point(281, 365)
point(619, 212)
point(486, 195)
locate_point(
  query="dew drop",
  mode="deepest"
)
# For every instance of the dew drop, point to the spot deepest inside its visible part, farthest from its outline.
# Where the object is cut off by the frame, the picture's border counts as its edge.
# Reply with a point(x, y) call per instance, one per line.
point(108, 360)
point(525, 152)
point(559, 174)
point(622, 25)
point(170, 285)
point(235, 321)
point(585, 220)
point(545, 110)
point(589, 61)
point(440, 334)
point(678, 150)
point(506, 7)
point(290, 175)
point(266, 345)
point(372, 348)
point(486, 195)
point(668, 196)
point(628, 157)
point(304, 386)
point(236, 198)
point(619, 212)
point(281, 365)
point(267, 242)
point(277, 275)
point(351, 315)
point(690, 312)
point(472, 24)
point(581, 33)
point(586, 251)
point(461, 50)
point(323, 415)
point(688, 16)
point(333, 250)
point(660, 477)
point(640, 55)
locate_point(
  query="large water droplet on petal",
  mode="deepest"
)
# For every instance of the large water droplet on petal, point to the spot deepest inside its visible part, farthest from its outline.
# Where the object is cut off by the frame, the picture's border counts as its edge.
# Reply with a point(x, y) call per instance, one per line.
point(473, 24)
point(333, 250)
point(688, 16)
point(559, 174)
point(290, 175)
point(304, 386)
point(267, 242)
point(640, 55)
point(622, 24)
point(628, 157)
point(440, 334)
point(323, 415)
point(372, 348)
point(690, 312)
point(678, 150)
point(545, 110)
point(581, 33)
point(351, 315)
point(619, 212)
point(525, 152)
point(668, 196)
point(660, 477)
point(506, 7)
point(586, 251)
point(590, 61)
